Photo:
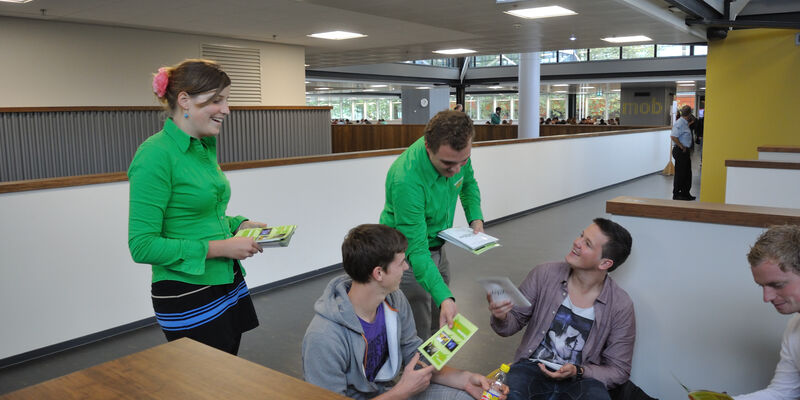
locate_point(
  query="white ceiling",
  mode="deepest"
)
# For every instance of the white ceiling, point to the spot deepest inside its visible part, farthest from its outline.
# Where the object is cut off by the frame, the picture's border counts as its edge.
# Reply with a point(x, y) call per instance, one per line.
point(397, 30)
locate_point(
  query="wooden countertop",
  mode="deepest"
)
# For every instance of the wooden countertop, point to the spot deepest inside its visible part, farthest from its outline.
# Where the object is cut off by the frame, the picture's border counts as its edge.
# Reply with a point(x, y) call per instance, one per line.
point(183, 369)
point(780, 149)
point(762, 164)
point(694, 211)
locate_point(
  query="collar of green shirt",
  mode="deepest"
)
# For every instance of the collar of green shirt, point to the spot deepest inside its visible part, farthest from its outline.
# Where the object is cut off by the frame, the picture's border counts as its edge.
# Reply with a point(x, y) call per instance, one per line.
point(423, 163)
point(182, 139)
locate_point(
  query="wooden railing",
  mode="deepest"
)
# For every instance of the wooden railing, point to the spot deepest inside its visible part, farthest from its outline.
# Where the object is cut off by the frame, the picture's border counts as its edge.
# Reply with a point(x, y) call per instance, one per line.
point(348, 138)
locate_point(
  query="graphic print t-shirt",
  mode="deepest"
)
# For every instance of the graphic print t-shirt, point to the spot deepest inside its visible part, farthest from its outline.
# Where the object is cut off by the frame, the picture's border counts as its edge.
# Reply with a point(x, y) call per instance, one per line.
point(566, 337)
point(377, 345)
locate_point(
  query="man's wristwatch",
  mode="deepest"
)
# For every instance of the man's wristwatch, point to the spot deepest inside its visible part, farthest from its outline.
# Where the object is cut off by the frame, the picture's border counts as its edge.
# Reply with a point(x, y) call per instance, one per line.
point(579, 373)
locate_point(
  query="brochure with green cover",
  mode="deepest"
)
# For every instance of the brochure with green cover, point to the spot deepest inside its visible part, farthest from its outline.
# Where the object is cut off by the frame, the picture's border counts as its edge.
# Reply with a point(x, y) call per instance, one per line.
point(703, 394)
point(272, 236)
point(441, 347)
point(475, 243)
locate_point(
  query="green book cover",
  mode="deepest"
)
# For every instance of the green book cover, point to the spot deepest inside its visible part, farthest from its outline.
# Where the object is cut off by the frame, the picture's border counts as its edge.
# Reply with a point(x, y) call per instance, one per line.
point(441, 347)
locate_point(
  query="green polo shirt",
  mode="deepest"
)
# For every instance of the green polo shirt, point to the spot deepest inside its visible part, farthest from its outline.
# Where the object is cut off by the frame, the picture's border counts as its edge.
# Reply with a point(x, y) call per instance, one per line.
point(178, 197)
point(420, 203)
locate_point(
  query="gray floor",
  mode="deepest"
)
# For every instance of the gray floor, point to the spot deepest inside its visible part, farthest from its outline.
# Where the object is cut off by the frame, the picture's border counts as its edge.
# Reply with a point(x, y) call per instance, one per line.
point(284, 313)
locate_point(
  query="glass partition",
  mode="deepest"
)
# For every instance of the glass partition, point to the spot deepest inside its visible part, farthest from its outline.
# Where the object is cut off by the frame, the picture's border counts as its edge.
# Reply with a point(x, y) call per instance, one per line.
point(638, 51)
point(673, 50)
point(572, 55)
point(604, 53)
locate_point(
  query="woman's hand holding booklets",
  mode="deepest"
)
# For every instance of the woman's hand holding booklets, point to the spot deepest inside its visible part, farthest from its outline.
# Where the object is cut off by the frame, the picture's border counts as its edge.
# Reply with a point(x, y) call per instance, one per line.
point(273, 236)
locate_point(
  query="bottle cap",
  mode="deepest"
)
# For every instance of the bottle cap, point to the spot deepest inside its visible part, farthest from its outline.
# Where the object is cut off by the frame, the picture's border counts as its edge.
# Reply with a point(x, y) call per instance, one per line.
point(504, 368)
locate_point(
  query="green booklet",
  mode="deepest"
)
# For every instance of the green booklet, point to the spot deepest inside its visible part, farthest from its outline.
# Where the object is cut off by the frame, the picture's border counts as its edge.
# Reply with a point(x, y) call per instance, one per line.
point(272, 236)
point(441, 347)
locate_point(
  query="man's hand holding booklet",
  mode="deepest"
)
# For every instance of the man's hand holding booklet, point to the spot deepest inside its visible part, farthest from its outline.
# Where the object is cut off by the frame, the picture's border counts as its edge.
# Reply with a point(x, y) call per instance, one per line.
point(502, 289)
point(467, 239)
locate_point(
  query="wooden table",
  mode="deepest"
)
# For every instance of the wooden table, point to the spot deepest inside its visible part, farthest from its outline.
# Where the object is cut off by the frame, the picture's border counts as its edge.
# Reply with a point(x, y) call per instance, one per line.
point(183, 369)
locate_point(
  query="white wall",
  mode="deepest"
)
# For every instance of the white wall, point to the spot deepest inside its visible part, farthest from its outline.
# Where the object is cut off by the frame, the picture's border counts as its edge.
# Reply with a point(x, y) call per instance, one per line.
point(67, 271)
point(48, 63)
point(778, 156)
point(699, 315)
point(770, 187)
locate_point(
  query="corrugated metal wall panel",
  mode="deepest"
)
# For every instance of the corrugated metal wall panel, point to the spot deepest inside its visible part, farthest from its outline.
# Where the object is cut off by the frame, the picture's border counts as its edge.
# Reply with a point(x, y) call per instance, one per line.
point(36, 145)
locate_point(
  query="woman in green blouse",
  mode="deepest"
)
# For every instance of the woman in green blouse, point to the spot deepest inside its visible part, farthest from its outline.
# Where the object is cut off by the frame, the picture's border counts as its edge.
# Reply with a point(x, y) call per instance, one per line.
point(177, 221)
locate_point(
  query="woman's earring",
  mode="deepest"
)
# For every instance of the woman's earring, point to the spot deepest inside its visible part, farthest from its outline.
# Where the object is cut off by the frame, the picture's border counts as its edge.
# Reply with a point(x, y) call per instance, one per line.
point(186, 115)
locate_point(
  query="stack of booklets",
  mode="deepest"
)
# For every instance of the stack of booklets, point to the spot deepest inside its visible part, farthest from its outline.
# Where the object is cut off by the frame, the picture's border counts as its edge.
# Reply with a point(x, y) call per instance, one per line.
point(464, 238)
point(272, 236)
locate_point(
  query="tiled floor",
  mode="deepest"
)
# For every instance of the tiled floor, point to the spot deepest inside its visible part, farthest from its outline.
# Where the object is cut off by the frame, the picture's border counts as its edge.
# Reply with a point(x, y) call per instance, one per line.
point(545, 235)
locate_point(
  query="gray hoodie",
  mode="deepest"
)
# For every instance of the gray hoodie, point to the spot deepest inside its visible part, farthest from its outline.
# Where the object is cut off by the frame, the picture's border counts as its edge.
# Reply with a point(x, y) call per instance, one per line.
point(335, 349)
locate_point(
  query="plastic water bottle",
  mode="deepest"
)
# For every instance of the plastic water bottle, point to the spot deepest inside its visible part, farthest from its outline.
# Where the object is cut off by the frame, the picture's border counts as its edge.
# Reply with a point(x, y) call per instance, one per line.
point(496, 388)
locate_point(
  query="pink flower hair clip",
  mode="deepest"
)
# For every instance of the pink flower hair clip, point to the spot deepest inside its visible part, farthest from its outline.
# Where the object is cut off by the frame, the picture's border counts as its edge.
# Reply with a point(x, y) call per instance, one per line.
point(160, 81)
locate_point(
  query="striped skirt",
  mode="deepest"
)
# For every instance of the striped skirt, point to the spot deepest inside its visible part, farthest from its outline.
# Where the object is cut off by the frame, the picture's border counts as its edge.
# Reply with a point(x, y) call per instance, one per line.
point(215, 315)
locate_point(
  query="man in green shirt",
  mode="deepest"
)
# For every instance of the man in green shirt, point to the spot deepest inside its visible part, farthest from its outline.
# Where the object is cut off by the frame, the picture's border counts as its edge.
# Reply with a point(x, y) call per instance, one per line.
point(496, 116)
point(422, 188)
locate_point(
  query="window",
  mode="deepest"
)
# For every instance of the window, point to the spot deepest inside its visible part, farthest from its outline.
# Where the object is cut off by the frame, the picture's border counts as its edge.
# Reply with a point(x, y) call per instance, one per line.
point(355, 108)
point(558, 106)
point(487, 61)
point(700, 50)
point(638, 51)
point(547, 57)
point(509, 59)
point(672, 50)
point(604, 53)
point(572, 55)
point(442, 62)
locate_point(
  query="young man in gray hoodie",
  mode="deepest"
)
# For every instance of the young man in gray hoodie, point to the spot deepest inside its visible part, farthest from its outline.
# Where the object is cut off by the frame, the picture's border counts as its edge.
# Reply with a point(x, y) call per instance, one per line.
point(363, 333)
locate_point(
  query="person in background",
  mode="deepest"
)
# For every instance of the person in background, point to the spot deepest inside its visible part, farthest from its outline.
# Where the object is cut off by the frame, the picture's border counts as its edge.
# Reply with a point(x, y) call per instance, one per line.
point(362, 335)
point(496, 116)
point(682, 139)
point(177, 218)
point(458, 107)
point(775, 263)
point(422, 188)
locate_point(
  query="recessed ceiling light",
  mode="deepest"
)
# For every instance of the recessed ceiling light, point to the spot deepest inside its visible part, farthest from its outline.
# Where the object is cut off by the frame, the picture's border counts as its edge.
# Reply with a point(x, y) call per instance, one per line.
point(541, 12)
point(307, 82)
point(616, 90)
point(336, 35)
point(572, 38)
point(454, 51)
point(561, 84)
point(560, 91)
point(16, 1)
point(377, 86)
point(494, 87)
point(686, 84)
point(703, 88)
point(422, 87)
point(369, 90)
point(306, 65)
point(684, 81)
point(627, 39)
point(588, 87)
point(322, 88)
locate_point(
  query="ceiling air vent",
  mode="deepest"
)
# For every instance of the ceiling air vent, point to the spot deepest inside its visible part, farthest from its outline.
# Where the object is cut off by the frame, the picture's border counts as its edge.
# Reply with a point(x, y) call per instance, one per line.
point(243, 65)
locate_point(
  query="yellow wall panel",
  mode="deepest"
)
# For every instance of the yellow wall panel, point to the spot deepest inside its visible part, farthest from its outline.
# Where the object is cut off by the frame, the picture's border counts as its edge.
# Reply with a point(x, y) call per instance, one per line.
point(752, 99)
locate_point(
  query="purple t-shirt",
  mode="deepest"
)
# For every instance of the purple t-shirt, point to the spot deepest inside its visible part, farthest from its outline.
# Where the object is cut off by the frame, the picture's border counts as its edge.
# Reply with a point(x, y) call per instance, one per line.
point(377, 345)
